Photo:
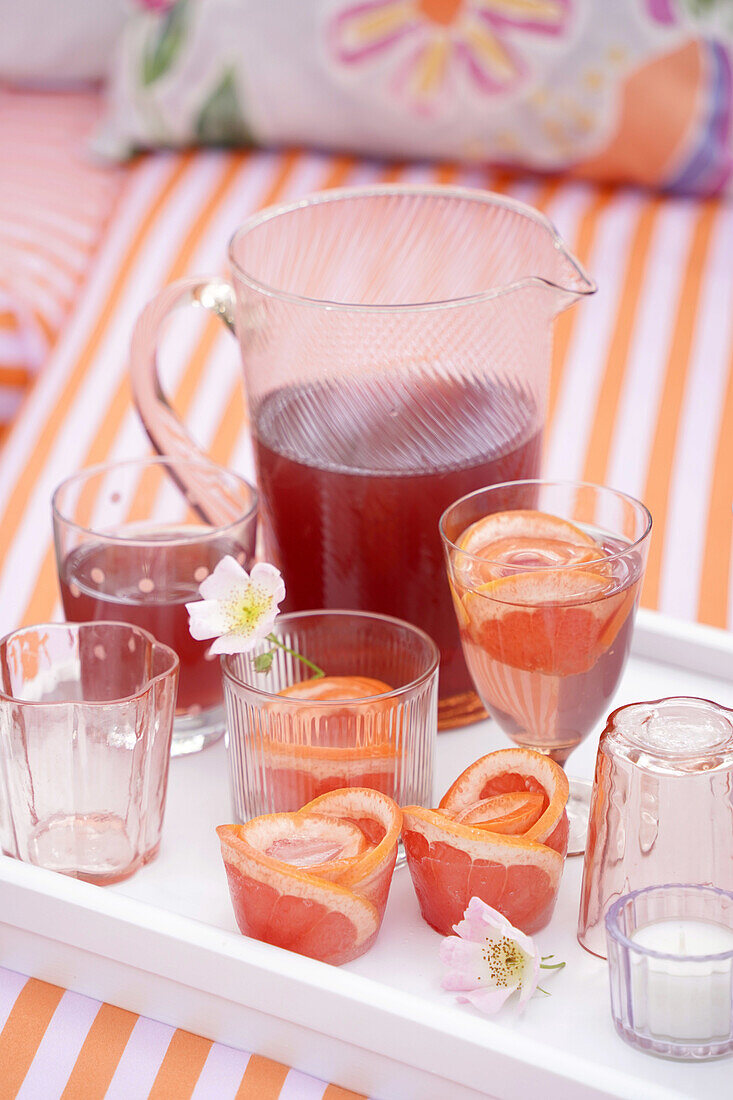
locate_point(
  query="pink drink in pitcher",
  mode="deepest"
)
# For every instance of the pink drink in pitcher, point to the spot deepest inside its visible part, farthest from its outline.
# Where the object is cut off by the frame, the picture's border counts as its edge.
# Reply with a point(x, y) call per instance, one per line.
point(356, 492)
point(396, 344)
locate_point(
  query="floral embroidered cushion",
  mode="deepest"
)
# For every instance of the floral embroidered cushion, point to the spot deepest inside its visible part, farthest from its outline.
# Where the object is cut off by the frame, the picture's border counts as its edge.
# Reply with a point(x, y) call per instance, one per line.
point(644, 94)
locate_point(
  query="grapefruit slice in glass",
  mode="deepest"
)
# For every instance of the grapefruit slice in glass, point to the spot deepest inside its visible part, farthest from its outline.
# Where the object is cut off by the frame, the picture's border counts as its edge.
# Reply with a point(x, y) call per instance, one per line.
point(516, 870)
point(509, 541)
point(554, 621)
point(310, 750)
point(315, 881)
point(336, 688)
point(318, 749)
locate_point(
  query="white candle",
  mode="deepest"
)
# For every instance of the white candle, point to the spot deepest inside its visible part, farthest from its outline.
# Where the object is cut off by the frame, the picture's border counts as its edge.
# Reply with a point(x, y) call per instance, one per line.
point(682, 998)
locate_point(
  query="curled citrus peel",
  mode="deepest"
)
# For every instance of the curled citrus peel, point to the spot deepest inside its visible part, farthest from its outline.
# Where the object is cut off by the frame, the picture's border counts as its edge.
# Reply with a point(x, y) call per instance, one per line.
point(315, 881)
point(454, 854)
point(321, 749)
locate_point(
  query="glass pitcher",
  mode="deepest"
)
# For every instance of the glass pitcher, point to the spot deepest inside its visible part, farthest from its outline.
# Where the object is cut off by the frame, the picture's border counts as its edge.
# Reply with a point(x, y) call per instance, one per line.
point(396, 345)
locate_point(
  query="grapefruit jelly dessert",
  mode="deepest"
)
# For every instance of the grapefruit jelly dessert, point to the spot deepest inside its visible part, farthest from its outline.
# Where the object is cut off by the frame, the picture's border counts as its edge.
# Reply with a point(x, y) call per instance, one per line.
point(500, 833)
point(315, 881)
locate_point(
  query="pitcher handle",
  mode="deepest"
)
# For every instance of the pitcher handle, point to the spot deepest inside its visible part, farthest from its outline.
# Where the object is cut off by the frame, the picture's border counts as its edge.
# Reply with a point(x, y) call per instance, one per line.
point(165, 431)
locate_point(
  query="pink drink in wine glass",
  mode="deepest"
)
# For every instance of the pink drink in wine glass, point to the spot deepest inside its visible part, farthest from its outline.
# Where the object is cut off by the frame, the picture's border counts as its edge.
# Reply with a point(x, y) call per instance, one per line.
point(546, 578)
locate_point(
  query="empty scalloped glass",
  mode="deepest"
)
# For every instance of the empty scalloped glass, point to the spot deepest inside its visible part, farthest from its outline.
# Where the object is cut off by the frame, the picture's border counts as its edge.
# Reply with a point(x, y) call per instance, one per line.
point(86, 717)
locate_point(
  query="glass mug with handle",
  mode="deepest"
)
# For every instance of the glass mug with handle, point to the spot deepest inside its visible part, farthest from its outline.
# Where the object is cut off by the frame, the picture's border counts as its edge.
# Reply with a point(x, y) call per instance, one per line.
point(396, 344)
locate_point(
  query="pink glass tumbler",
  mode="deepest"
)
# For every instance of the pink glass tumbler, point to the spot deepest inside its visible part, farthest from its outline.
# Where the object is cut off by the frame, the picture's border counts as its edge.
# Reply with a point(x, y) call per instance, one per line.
point(86, 717)
point(661, 809)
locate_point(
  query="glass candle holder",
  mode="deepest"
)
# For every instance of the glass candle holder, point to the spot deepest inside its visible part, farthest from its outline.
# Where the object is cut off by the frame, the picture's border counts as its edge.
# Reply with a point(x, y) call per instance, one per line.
point(86, 718)
point(285, 751)
point(670, 964)
point(134, 544)
point(660, 807)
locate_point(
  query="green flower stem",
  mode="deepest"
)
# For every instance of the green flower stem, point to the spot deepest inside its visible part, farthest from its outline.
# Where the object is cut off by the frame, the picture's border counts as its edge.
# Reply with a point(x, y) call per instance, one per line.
point(318, 672)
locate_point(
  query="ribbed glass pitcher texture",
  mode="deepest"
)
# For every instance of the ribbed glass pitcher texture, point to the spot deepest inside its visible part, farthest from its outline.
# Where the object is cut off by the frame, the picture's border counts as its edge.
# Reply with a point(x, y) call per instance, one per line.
point(396, 344)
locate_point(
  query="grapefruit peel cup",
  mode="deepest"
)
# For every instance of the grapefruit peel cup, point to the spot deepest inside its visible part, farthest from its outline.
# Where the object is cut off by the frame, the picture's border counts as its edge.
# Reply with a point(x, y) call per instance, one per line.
point(327, 899)
point(515, 869)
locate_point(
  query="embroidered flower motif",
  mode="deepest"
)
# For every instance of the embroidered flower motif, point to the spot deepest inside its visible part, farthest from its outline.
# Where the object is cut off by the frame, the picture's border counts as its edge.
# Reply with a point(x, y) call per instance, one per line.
point(159, 6)
point(489, 959)
point(237, 608)
point(435, 40)
point(661, 11)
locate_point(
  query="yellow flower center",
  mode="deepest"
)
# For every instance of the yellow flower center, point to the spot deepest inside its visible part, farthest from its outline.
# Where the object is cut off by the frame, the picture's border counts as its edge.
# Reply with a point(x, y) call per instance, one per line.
point(504, 961)
point(243, 612)
point(443, 12)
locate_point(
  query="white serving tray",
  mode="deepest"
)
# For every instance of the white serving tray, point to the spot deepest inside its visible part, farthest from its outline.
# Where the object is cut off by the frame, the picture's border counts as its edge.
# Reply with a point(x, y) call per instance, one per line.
point(165, 944)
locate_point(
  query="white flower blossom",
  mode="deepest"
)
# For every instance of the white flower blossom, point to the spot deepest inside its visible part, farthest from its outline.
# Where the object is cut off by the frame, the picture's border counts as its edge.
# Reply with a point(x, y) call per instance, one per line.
point(237, 608)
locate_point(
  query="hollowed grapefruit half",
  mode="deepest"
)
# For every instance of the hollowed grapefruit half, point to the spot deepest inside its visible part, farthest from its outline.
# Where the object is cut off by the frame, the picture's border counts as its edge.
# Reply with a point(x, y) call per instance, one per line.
point(515, 869)
point(315, 881)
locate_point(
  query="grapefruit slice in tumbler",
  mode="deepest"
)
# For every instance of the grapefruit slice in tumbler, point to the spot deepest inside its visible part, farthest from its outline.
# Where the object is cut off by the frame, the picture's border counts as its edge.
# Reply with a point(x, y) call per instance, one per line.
point(325, 748)
point(454, 855)
point(315, 881)
point(336, 688)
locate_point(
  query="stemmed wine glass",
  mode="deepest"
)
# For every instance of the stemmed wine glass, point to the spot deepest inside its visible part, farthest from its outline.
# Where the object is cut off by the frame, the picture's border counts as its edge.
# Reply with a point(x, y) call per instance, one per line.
point(546, 578)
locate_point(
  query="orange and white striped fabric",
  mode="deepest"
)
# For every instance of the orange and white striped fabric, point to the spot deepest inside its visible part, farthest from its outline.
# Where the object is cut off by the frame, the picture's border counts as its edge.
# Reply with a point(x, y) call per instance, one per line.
point(54, 204)
point(57, 1045)
point(641, 399)
point(642, 386)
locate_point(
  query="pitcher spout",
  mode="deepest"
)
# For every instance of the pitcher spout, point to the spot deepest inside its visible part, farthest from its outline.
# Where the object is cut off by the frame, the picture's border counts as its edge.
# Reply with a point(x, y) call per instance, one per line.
point(569, 280)
point(535, 257)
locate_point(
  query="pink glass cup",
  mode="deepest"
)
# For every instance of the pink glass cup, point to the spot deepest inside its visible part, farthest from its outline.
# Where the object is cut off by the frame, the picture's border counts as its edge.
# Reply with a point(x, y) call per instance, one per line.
point(86, 717)
point(283, 752)
point(132, 544)
point(661, 809)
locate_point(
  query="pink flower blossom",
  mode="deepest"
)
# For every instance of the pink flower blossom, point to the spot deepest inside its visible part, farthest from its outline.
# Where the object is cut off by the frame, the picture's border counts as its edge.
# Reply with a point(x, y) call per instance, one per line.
point(159, 6)
point(489, 959)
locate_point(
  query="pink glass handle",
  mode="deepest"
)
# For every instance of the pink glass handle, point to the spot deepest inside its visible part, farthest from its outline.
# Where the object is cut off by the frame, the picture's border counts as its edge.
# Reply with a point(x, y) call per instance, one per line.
point(168, 435)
